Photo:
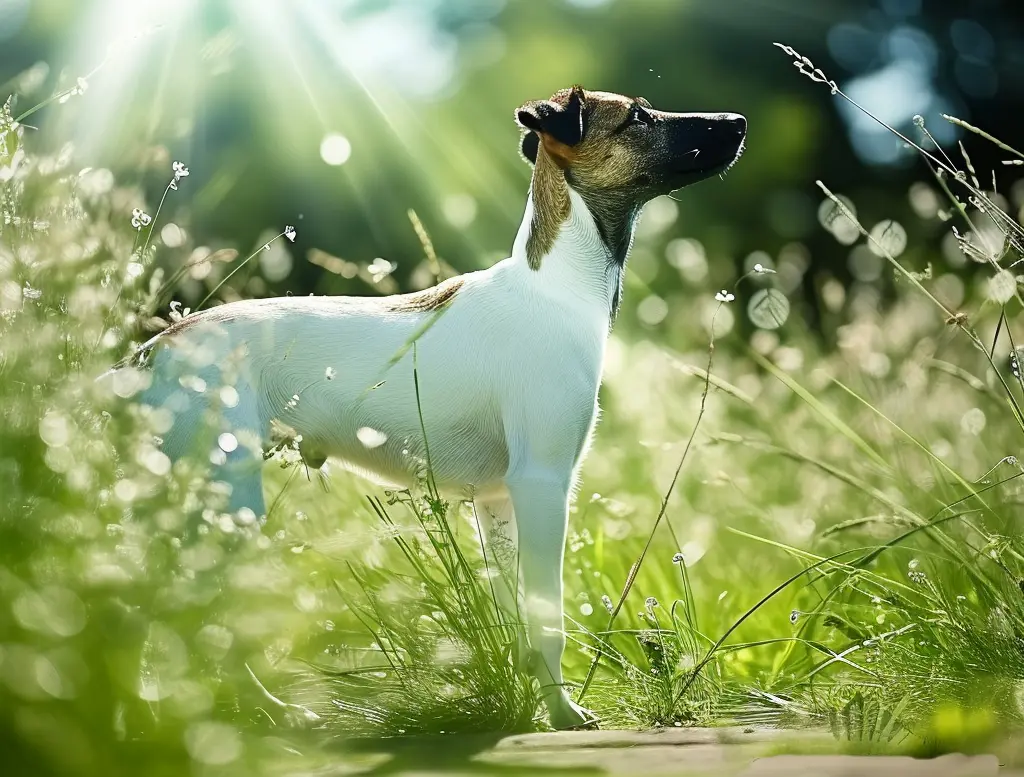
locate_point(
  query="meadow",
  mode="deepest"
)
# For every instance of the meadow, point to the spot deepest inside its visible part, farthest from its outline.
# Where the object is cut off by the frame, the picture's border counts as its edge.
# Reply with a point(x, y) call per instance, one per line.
point(768, 530)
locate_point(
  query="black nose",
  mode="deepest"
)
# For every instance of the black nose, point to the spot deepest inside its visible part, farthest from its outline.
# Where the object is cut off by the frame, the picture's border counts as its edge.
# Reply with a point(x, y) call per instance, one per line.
point(736, 122)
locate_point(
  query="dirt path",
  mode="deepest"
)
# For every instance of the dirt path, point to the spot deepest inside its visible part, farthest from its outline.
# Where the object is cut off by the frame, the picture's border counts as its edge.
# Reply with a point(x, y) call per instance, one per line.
point(687, 752)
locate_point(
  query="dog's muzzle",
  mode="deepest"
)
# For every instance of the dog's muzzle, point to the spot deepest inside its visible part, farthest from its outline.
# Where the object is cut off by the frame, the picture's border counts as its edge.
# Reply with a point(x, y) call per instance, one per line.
point(702, 145)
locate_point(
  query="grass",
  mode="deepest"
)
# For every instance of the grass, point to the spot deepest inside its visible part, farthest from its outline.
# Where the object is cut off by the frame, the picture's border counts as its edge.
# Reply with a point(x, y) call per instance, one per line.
point(784, 534)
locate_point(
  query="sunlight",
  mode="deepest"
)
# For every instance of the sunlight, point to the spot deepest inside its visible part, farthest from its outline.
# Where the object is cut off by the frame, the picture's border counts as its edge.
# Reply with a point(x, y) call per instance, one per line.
point(395, 58)
point(111, 49)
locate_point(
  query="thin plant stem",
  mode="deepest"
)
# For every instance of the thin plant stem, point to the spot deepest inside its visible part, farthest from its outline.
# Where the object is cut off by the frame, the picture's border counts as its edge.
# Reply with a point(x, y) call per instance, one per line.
point(242, 264)
point(635, 569)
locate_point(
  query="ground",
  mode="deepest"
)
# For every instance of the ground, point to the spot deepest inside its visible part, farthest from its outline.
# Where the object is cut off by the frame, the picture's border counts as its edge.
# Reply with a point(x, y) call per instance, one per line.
point(687, 752)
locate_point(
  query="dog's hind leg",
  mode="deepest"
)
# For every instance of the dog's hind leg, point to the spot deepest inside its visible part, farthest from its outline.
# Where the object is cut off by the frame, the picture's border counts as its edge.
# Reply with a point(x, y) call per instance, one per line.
point(213, 425)
point(238, 457)
point(497, 525)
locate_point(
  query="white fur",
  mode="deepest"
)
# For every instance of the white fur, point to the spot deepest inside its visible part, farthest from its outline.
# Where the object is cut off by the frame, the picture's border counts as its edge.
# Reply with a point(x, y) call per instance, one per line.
point(508, 378)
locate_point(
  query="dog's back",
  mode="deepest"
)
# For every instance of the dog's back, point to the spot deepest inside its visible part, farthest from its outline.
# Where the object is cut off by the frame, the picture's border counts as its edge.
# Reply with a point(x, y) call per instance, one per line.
point(339, 373)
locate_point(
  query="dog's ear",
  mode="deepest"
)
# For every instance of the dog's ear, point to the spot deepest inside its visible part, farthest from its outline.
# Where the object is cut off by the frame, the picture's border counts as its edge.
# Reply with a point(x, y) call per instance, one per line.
point(528, 147)
point(559, 125)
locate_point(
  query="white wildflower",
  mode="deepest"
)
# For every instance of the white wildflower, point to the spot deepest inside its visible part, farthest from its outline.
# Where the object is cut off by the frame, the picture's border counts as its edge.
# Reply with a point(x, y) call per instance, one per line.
point(380, 269)
point(180, 171)
point(725, 296)
point(289, 232)
point(140, 218)
point(178, 312)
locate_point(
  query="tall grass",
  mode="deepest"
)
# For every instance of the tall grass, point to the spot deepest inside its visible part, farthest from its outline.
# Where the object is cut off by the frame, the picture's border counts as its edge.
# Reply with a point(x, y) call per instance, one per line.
point(804, 535)
point(909, 624)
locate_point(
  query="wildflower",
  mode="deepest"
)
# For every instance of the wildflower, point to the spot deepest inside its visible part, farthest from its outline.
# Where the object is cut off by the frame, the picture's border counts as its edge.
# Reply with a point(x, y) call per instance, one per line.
point(289, 232)
point(80, 87)
point(960, 319)
point(724, 296)
point(140, 218)
point(760, 269)
point(650, 603)
point(805, 66)
point(794, 616)
point(606, 600)
point(380, 269)
point(29, 293)
point(178, 312)
point(1015, 361)
point(180, 171)
point(678, 558)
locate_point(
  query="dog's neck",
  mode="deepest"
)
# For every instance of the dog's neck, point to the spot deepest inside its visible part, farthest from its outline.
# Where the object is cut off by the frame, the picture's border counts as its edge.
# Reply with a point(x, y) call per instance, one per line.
point(570, 241)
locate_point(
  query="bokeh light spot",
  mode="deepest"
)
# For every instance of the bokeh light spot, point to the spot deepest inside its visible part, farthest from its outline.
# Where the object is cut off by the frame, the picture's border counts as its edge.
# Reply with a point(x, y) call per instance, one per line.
point(768, 309)
point(335, 149)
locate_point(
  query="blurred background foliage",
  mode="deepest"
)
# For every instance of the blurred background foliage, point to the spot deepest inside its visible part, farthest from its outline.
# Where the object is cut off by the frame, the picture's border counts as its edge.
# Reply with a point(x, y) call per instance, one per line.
point(340, 116)
point(124, 648)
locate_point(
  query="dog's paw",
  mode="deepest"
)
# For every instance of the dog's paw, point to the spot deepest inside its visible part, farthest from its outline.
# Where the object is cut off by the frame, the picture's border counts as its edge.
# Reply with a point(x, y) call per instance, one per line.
point(564, 713)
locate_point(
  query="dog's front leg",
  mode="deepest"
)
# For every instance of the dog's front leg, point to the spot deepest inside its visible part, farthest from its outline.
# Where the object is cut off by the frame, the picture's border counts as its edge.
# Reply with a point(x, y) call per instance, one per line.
point(541, 501)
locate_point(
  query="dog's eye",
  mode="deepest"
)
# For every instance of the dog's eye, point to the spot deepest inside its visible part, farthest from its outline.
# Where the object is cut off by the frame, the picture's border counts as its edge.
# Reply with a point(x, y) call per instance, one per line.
point(640, 116)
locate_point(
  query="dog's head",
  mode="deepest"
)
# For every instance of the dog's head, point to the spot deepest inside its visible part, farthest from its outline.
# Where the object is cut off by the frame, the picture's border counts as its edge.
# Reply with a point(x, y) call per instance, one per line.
point(622, 147)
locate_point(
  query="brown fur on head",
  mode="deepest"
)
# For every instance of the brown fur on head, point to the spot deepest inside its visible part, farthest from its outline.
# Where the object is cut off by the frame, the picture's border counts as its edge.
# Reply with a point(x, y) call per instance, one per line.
point(617, 153)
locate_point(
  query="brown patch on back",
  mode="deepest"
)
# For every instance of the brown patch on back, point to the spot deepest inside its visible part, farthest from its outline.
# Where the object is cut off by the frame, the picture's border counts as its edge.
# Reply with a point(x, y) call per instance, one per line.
point(218, 315)
point(425, 301)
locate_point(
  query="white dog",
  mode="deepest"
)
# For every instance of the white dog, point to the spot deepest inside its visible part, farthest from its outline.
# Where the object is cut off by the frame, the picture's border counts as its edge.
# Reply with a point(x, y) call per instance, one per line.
point(508, 359)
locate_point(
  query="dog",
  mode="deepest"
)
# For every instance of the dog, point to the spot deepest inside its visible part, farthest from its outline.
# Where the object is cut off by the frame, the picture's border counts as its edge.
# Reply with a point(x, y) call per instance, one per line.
point(490, 378)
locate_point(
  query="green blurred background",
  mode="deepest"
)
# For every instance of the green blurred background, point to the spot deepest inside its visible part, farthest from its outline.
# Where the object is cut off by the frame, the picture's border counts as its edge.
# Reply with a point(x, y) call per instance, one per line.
point(338, 116)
